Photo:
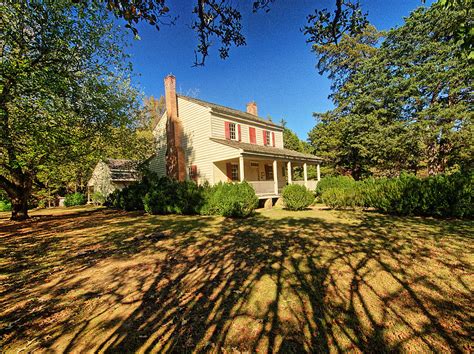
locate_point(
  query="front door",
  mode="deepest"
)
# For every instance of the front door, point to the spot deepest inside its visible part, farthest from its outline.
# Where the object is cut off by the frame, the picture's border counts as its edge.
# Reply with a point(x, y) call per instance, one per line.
point(269, 172)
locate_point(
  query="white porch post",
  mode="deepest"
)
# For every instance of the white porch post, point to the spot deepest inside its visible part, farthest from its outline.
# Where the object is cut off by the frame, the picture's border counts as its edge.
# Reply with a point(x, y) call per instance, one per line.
point(241, 168)
point(318, 172)
point(305, 175)
point(290, 177)
point(275, 176)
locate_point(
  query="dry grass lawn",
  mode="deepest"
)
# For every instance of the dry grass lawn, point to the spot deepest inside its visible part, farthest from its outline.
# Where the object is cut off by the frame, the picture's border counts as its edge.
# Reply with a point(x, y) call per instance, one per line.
point(89, 279)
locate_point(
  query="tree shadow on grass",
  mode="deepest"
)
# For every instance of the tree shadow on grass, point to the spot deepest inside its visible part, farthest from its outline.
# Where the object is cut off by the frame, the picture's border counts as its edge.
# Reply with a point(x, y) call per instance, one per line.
point(273, 285)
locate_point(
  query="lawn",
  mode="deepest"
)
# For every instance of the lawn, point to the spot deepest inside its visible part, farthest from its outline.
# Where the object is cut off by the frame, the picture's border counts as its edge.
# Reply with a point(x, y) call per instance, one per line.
point(89, 279)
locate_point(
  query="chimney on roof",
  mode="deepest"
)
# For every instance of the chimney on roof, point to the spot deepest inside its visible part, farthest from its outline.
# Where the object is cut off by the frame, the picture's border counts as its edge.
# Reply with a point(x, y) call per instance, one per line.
point(252, 108)
point(175, 164)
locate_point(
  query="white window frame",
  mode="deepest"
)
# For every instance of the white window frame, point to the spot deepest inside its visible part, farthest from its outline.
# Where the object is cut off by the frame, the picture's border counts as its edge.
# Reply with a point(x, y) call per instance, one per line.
point(269, 137)
point(233, 130)
point(234, 172)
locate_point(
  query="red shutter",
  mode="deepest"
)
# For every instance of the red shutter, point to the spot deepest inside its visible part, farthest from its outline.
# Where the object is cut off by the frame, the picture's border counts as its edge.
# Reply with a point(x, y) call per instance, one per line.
point(240, 132)
point(264, 137)
point(273, 138)
point(253, 137)
point(229, 171)
point(194, 172)
point(227, 130)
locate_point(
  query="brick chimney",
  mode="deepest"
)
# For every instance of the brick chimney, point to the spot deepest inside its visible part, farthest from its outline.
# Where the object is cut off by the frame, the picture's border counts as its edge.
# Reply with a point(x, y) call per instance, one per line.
point(252, 108)
point(175, 164)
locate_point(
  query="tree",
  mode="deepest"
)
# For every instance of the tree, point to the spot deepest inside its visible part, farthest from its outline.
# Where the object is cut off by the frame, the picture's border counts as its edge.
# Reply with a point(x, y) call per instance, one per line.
point(64, 83)
point(406, 106)
point(221, 21)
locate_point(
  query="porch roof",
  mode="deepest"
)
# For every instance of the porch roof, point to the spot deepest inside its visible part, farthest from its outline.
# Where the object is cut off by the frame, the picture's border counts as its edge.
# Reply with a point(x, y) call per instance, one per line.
point(269, 151)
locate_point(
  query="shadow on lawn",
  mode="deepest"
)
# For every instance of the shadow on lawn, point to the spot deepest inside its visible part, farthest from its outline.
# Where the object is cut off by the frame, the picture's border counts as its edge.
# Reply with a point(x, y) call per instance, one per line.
point(273, 285)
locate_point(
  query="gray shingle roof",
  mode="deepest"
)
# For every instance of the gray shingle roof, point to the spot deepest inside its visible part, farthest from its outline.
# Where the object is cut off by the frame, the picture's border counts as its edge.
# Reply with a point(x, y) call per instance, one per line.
point(231, 111)
point(268, 150)
point(123, 170)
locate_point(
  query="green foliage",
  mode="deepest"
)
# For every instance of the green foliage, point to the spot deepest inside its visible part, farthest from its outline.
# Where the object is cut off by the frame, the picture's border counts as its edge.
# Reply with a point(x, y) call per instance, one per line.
point(230, 200)
point(441, 195)
point(98, 198)
point(402, 106)
point(339, 182)
point(74, 199)
point(5, 205)
point(297, 197)
point(172, 197)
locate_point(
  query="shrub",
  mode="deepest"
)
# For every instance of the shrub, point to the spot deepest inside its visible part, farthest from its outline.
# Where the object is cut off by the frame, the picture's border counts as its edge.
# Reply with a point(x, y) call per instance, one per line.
point(297, 197)
point(230, 200)
point(441, 195)
point(73, 199)
point(5, 205)
point(98, 198)
point(333, 182)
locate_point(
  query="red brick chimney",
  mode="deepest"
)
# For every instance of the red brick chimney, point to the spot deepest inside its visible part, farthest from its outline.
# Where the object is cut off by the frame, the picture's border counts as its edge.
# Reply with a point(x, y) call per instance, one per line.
point(252, 108)
point(175, 164)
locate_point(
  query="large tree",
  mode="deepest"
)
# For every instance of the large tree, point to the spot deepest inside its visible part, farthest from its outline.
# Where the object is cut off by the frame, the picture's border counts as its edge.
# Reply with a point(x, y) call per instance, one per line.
point(406, 106)
point(64, 83)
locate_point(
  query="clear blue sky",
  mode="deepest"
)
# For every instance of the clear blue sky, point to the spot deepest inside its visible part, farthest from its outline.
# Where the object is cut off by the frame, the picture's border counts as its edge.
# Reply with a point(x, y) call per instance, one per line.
point(276, 68)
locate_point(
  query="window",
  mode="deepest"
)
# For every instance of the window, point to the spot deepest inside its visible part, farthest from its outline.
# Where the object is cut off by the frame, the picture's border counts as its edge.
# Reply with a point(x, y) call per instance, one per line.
point(193, 172)
point(232, 131)
point(267, 138)
point(268, 172)
point(235, 172)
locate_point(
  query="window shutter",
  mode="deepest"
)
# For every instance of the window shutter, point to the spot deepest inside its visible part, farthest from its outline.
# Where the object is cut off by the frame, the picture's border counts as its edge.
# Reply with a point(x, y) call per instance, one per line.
point(240, 132)
point(193, 172)
point(227, 130)
point(273, 138)
point(264, 137)
point(252, 135)
point(229, 171)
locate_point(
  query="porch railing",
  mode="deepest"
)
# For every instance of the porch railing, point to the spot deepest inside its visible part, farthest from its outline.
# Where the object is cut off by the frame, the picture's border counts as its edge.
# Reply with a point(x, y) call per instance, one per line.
point(263, 187)
point(311, 184)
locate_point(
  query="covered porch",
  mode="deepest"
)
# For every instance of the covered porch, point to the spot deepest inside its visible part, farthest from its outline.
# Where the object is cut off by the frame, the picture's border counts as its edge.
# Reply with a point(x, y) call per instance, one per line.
point(267, 176)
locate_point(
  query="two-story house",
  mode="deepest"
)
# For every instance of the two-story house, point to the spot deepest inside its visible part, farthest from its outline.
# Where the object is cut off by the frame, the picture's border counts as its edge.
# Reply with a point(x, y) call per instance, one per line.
point(204, 141)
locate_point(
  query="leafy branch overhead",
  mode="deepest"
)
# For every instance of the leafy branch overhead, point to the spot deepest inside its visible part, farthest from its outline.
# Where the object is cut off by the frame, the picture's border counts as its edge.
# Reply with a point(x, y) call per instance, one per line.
point(221, 21)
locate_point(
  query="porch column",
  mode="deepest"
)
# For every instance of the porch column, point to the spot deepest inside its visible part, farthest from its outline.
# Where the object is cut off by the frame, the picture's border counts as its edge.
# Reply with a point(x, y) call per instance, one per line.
point(318, 172)
point(290, 177)
point(305, 175)
point(241, 168)
point(275, 176)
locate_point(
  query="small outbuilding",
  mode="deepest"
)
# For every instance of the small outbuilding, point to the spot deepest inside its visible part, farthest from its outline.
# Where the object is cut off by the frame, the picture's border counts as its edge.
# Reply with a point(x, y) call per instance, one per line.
point(112, 174)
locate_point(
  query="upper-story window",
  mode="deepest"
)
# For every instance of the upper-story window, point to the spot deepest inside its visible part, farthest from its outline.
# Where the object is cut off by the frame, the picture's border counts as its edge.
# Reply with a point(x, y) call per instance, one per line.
point(233, 131)
point(266, 138)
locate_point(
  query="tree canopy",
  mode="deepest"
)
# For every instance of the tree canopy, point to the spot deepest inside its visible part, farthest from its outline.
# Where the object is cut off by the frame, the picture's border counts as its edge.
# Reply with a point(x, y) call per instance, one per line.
point(65, 85)
point(402, 106)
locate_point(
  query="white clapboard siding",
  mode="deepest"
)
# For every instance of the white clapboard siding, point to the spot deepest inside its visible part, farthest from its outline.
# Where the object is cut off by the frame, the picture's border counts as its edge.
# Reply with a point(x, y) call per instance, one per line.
point(158, 162)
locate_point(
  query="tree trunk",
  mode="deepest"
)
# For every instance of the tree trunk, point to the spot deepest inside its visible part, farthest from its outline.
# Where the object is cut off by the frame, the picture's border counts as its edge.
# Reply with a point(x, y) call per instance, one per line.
point(20, 208)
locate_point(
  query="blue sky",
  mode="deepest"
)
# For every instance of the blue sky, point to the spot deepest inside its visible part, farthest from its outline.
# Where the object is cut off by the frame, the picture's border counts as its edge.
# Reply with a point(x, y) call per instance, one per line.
point(276, 68)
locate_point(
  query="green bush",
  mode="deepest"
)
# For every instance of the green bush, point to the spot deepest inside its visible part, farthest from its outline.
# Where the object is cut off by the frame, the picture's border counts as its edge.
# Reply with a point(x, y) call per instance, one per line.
point(172, 197)
point(333, 182)
point(230, 200)
point(74, 199)
point(441, 195)
point(5, 205)
point(98, 198)
point(297, 197)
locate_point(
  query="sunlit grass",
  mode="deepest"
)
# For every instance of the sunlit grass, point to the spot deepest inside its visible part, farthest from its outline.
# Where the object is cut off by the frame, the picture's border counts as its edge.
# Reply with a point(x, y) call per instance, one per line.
point(89, 279)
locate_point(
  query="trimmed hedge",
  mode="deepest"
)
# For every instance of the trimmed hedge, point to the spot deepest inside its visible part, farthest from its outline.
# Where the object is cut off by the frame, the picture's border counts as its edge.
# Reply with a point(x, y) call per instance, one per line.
point(297, 197)
point(440, 195)
point(230, 200)
point(74, 199)
point(166, 196)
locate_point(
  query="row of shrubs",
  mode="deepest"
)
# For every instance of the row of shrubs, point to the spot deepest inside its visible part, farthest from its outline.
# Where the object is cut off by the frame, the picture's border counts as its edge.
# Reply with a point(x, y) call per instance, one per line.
point(166, 196)
point(440, 195)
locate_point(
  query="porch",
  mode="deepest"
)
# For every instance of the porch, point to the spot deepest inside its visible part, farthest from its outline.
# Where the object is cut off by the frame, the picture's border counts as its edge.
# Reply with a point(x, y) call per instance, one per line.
point(267, 176)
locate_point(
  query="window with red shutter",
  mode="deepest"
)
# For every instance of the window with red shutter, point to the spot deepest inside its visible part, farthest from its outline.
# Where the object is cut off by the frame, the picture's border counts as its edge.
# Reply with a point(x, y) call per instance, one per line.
point(229, 171)
point(264, 137)
point(193, 173)
point(273, 139)
point(252, 135)
point(240, 132)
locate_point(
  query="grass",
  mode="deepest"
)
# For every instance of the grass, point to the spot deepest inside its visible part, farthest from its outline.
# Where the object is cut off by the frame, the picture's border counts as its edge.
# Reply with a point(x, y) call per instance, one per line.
point(92, 279)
